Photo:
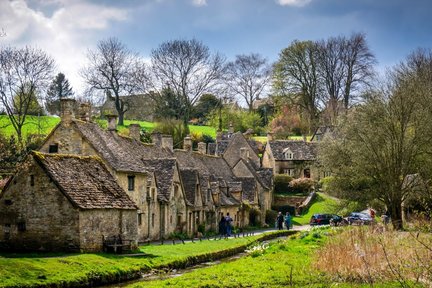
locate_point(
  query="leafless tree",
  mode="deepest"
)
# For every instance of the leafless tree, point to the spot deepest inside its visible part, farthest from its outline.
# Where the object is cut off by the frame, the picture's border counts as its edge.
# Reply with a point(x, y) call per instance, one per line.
point(113, 67)
point(24, 73)
point(295, 76)
point(188, 68)
point(248, 76)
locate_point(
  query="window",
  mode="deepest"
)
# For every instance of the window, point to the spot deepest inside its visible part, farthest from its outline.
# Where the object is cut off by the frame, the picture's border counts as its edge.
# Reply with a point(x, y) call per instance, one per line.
point(6, 230)
point(140, 219)
point(8, 202)
point(288, 154)
point(289, 172)
point(53, 148)
point(131, 182)
point(32, 180)
point(21, 226)
point(153, 193)
point(171, 219)
point(153, 219)
point(306, 173)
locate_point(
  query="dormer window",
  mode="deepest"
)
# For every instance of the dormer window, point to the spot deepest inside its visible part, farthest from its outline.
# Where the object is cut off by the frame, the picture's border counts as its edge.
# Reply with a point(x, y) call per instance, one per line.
point(131, 182)
point(288, 154)
point(53, 148)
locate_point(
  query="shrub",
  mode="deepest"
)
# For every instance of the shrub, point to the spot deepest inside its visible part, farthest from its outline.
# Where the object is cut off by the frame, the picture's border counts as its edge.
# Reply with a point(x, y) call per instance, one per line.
point(270, 217)
point(324, 183)
point(281, 183)
point(302, 185)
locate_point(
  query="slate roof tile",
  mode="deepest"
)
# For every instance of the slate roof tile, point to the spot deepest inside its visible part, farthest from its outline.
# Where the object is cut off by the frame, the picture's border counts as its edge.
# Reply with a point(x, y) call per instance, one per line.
point(301, 150)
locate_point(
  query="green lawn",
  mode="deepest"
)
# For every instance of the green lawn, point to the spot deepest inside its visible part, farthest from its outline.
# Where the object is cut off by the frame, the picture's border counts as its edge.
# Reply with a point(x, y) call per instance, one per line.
point(322, 204)
point(285, 263)
point(17, 270)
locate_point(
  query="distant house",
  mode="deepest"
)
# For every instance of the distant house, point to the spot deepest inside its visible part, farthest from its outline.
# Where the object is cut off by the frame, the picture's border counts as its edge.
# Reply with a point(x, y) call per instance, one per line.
point(294, 158)
point(321, 132)
point(64, 203)
point(138, 107)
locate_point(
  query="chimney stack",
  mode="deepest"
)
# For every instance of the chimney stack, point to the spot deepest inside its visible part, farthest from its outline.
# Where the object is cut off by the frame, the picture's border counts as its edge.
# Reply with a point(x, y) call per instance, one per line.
point(270, 136)
point(112, 122)
point(134, 131)
point(85, 112)
point(202, 147)
point(219, 135)
point(156, 139)
point(67, 109)
point(167, 142)
point(187, 143)
point(231, 128)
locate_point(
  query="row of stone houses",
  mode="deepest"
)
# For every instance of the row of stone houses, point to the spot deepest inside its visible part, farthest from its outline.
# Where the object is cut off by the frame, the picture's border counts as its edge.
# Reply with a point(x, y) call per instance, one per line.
point(86, 183)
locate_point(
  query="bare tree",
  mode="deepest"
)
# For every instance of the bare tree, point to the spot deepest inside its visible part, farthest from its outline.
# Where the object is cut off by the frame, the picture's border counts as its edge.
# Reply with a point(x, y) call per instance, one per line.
point(295, 76)
point(112, 67)
point(24, 73)
point(188, 68)
point(248, 76)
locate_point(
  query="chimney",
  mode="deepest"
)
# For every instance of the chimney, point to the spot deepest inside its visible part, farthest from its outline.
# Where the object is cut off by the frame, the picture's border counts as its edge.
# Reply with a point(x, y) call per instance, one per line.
point(167, 142)
point(187, 143)
point(202, 148)
point(231, 128)
point(85, 112)
point(219, 135)
point(244, 153)
point(156, 139)
point(67, 109)
point(134, 131)
point(270, 136)
point(112, 122)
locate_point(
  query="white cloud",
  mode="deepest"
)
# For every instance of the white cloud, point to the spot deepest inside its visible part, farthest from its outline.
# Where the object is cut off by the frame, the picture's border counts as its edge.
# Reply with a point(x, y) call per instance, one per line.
point(199, 3)
point(298, 3)
point(66, 34)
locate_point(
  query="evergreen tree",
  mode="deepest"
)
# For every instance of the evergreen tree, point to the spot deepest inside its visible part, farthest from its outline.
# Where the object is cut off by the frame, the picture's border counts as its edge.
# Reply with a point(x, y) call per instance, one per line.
point(58, 89)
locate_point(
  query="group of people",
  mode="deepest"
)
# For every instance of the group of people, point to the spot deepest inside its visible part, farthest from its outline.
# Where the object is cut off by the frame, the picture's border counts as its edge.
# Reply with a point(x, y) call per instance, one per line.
point(225, 225)
point(280, 220)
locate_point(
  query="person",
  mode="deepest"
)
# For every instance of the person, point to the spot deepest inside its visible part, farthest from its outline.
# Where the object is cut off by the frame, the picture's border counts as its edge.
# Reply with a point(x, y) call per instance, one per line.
point(228, 221)
point(280, 220)
point(386, 217)
point(222, 226)
point(288, 220)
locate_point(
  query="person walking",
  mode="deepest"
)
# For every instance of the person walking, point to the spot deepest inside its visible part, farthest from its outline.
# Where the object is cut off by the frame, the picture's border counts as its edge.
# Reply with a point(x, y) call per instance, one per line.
point(228, 221)
point(222, 226)
point(288, 220)
point(280, 220)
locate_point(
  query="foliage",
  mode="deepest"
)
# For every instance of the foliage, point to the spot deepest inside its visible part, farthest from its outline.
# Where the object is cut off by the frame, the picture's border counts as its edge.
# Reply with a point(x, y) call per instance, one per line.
point(205, 105)
point(33, 106)
point(302, 185)
point(241, 120)
point(287, 122)
point(270, 217)
point(59, 88)
point(281, 183)
point(172, 127)
point(257, 250)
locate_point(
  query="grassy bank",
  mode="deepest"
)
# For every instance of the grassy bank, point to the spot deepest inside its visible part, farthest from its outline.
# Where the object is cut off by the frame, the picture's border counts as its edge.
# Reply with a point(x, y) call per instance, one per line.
point(84, 270)
point(322, 204)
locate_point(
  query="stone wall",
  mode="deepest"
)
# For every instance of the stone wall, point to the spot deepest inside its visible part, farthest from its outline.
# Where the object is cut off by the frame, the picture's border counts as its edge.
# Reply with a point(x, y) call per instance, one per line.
point(48, 218)
point(96, 223)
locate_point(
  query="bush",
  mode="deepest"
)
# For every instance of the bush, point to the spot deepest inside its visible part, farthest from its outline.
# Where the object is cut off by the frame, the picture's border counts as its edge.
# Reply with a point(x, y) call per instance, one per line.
point(302, 185)
point(270, 217)
point(324, 183)
point(281, 183)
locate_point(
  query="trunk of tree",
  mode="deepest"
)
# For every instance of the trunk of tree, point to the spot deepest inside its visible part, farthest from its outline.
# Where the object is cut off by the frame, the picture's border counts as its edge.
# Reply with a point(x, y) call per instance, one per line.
point(396, 215)
point(121, 118)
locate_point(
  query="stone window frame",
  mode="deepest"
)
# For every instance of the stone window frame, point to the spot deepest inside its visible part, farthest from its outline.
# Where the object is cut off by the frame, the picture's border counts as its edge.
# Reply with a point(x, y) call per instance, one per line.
point(21, 226)
point(131, 182)
point(289, 171)
point(32, 180)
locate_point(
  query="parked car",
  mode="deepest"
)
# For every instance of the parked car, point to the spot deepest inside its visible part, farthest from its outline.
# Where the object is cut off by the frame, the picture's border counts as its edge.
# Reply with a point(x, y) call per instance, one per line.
point(359, 218)
point(325, 219)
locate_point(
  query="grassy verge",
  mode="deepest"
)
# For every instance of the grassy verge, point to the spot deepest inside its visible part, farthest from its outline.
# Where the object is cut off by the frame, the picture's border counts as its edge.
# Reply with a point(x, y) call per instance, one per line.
point(283, 263)
point(322, 204)
point(84, 270)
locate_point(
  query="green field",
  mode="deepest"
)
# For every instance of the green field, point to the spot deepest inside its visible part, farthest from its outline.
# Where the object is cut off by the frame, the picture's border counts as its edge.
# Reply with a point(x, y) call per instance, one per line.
point(322, 204)
point(18, 270)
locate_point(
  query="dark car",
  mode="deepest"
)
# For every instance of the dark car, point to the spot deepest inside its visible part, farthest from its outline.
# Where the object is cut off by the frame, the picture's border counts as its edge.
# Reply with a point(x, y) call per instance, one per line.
point(325, 219)
point(359, 218)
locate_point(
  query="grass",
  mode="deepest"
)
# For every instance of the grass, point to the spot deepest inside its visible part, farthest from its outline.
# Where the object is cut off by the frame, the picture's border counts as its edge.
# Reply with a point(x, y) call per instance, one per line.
point(17, 270)
point(322, 204)
point(282, 263)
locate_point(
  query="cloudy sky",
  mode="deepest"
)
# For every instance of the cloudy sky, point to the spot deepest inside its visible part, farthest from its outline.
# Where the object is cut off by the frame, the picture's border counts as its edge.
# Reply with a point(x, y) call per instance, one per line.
point(67, 28)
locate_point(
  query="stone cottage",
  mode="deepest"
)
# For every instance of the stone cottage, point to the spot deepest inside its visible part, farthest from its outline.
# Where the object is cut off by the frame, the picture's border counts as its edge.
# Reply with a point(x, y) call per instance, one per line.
point(61, 202)
point(129, 161)
point(294, 158)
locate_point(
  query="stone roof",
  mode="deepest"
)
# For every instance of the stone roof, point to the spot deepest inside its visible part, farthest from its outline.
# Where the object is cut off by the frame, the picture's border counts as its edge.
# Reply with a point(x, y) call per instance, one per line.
point(321, 131)
point(227, 138)
point(211, 148)
point(305, 151)
point(249, 188)
point(221, 147)
point(265, 175)
point(189, 178)
point(164, 172)
point(85, 181)
point(226, 200)
point(122, 153)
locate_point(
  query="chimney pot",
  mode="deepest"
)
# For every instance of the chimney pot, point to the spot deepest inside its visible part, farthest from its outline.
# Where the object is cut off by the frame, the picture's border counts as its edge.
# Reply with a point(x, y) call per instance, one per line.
point(156, 138)
point(85, 112)
point(167, 142)
point(231, 128)
point(202, 147)
point(67, 109)
point(187, 143)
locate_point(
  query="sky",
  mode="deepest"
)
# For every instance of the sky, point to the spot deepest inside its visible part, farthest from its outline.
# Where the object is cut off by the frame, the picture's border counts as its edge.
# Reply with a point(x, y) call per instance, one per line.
point(66, 29)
